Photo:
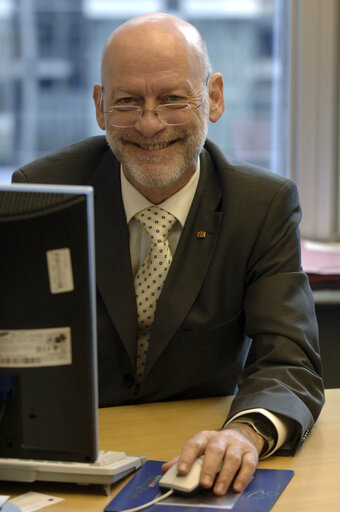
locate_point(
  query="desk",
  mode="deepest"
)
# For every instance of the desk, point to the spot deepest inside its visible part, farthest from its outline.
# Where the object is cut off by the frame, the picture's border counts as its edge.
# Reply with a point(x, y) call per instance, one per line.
point(159, 430)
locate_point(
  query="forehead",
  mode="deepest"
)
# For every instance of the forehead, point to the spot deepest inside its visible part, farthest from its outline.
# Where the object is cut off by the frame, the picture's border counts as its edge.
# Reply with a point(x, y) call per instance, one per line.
point(144, 83)
point(148, 58)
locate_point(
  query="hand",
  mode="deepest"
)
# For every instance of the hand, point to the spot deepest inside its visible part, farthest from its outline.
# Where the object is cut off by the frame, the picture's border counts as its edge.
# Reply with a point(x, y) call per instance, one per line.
point(237, 448)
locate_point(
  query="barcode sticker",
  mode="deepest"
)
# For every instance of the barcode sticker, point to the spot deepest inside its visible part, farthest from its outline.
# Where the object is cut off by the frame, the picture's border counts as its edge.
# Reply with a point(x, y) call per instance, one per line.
point(25, 348)
point(60, 270)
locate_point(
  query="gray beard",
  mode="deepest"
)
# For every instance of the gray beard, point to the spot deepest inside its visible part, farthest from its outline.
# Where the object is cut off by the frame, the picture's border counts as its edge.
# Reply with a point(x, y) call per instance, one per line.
point(138, 173)
point(188, 154)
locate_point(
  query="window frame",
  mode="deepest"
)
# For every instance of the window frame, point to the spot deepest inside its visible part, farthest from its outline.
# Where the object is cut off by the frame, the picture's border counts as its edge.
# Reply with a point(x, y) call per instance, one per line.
point(315, 115)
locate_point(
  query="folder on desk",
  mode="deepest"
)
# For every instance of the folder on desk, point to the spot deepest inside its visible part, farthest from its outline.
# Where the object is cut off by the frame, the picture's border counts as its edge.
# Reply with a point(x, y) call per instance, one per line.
point(260, 495)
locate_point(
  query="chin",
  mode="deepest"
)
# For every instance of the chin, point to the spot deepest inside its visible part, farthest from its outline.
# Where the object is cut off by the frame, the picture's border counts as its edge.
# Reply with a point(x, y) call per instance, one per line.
point(153, 180)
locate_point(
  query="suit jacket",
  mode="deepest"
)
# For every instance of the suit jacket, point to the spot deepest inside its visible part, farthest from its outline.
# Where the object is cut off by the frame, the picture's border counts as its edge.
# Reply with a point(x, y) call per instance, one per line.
point(236, 313)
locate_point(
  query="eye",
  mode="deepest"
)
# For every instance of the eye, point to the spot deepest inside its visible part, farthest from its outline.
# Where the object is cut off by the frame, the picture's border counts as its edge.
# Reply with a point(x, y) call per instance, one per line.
point(175, 98)
point(129, 100)
point(172, 98)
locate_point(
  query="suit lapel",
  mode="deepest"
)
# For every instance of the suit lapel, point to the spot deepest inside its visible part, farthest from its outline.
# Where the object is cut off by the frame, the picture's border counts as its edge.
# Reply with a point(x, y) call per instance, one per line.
point(190, 263)
point(113, 263)
point(188, 269)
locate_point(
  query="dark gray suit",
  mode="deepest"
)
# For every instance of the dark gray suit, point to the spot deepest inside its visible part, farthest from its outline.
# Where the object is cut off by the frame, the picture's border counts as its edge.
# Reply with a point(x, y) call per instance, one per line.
point(242, 282)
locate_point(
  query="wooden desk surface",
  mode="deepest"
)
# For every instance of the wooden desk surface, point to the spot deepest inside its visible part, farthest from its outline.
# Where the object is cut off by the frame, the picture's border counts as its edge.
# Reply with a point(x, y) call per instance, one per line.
point(159, 430)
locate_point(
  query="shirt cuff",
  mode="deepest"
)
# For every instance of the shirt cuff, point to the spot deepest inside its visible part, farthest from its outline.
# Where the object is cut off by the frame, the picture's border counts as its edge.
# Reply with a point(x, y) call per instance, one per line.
point(283, 427)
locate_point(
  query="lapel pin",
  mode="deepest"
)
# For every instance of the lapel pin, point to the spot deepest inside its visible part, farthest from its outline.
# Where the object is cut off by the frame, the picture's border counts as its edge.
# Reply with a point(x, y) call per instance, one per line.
point(201, 234)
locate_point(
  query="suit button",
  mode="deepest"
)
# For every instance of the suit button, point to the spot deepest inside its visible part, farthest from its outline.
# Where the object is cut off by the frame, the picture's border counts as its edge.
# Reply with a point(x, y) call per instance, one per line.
point(129, 380)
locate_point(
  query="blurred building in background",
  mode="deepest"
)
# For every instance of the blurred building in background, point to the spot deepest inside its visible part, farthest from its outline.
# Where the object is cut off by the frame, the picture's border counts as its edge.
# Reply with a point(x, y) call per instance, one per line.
point(50, 53)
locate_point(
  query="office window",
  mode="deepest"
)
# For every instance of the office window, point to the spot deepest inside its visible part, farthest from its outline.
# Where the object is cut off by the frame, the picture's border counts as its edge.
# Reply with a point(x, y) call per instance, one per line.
point(50, 56)
point(279, 59)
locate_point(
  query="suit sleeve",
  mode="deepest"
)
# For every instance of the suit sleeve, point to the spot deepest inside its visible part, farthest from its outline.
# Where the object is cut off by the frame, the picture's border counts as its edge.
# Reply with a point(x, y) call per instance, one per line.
point(19, 177)
point(283, 369)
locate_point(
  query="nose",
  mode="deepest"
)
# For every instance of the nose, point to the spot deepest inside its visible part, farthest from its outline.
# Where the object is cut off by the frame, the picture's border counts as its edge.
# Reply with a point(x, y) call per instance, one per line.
point(148, 123)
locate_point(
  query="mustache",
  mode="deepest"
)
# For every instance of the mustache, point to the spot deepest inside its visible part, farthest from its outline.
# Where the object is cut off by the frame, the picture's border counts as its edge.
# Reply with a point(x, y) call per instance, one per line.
point(133, 138)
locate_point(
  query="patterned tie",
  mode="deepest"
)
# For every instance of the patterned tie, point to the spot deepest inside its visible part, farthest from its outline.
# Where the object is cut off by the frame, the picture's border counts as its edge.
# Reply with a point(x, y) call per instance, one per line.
point(151, 276)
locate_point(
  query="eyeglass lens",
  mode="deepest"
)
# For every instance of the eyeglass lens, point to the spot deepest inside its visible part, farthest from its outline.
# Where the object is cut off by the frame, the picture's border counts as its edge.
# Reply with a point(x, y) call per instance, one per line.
point(167, 114)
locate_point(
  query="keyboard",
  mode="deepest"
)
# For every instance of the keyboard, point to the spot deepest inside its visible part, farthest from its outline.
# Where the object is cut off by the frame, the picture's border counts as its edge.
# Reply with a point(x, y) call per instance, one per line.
point(106, 470)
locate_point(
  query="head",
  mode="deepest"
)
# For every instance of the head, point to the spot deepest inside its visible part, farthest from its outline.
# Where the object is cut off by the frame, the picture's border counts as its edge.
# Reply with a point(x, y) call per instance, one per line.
point(148, 61)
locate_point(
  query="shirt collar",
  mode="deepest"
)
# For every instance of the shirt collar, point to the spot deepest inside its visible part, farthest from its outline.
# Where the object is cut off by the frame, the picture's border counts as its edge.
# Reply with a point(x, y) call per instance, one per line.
point(178, 204)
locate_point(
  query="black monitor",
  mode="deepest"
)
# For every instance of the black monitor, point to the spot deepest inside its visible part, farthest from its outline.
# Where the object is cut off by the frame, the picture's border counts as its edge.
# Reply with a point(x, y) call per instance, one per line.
point(48, 367)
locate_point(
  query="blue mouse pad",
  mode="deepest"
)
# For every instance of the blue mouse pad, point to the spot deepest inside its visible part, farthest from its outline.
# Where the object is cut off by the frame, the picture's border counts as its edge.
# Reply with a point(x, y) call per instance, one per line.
point(259, 496)
point(9, 507)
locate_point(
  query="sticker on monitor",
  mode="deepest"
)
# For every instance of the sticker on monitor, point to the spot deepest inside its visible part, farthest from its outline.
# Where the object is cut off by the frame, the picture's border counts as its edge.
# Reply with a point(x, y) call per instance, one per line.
point(25, 348)
point(60, 270)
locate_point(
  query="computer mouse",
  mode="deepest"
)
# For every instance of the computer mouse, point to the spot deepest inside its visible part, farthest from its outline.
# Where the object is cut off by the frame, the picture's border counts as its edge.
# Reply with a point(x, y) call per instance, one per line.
point(183, 484)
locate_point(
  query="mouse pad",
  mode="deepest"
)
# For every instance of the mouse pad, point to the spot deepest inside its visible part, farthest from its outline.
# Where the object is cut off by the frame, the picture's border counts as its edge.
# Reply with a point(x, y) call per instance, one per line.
point(259, 496)
point(9, 507)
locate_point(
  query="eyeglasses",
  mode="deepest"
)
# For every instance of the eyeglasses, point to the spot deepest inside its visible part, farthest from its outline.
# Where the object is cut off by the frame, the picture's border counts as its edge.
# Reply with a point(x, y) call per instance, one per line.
point(172, 114)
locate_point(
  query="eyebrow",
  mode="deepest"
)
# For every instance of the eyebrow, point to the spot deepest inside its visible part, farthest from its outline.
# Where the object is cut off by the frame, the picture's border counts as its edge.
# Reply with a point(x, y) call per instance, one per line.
point(165, 89)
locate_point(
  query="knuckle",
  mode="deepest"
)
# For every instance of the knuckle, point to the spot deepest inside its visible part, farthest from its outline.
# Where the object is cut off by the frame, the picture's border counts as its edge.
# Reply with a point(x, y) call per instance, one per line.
point(251, 459)
point(192, 446)
point(216, 449)
point(234, 457)
point(197, 441)
point(204, 433)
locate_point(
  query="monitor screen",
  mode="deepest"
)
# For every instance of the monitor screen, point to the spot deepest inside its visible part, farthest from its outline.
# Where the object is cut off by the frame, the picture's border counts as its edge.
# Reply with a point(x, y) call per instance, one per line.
point(48, 366)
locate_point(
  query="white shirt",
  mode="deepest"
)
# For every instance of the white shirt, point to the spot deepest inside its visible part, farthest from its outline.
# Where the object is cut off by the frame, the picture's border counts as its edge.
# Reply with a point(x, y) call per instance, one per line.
point(179, 205)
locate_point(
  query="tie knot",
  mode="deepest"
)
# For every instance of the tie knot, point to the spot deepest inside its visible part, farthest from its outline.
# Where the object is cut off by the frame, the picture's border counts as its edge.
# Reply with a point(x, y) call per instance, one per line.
point(156, 222)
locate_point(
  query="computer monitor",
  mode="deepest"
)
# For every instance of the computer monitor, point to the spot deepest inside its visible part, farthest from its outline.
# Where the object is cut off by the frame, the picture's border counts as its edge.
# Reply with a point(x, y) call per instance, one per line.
point(48, 367)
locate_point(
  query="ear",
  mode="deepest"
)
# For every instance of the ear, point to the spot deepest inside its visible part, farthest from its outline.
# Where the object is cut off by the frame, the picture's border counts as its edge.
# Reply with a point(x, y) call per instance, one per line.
point(98, 102)
point(216, 97)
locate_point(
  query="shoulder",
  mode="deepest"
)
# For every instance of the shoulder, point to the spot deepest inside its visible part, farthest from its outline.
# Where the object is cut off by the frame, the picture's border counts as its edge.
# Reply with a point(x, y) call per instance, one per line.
point(72, 164)
point(244, 181)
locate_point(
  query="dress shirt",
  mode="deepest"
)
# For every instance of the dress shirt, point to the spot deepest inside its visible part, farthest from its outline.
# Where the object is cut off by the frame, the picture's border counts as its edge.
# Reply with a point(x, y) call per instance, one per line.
point(179, 205)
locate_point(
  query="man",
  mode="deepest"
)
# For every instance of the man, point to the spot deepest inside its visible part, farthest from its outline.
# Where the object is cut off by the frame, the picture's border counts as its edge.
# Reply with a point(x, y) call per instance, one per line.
point(235, 313)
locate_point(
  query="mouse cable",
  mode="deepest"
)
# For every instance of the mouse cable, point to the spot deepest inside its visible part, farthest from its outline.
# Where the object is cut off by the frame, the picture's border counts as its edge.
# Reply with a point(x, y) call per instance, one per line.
point(149, 503)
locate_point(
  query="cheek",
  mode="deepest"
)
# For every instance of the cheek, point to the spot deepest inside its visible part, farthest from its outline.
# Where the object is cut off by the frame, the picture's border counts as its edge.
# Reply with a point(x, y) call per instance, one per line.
point(198, 128)
point(201, 118)
point(114, 135)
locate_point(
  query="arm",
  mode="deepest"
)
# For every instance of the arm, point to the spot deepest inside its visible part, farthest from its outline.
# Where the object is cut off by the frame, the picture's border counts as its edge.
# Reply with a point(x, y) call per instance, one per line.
point(282, 373)
point(283, 369)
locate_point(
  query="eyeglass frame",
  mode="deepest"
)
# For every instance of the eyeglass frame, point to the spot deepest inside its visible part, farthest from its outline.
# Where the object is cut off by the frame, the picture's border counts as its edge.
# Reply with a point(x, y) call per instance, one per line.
point(155, 111)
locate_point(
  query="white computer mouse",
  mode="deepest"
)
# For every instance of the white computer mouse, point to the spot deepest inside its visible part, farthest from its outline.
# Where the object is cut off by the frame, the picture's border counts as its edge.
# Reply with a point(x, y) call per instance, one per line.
point(184, 484)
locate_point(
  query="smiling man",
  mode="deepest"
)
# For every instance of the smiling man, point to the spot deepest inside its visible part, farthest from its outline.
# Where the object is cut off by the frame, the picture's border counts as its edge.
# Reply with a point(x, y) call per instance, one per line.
point(200, 286)
point(154, 66)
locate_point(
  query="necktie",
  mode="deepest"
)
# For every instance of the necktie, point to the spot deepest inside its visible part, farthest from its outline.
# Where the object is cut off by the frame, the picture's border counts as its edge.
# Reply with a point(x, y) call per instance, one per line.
point(151, 276)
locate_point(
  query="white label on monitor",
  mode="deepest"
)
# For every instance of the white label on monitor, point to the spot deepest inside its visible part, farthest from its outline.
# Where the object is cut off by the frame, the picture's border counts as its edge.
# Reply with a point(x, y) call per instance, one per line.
point(60, 270)
point(27, 348)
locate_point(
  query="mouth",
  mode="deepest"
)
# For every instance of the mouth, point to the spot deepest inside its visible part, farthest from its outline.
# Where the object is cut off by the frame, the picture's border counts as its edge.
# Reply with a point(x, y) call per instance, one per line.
point(154, 147)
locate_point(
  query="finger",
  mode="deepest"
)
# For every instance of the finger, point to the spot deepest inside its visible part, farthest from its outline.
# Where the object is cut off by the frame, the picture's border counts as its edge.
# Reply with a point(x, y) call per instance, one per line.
point(167, 465)
point(192, 449)
point(231, 466)
point(248, 467)
point(213, 460)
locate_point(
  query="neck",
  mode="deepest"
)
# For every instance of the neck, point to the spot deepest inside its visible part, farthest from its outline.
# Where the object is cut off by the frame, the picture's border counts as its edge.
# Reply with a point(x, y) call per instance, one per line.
point(159, 194)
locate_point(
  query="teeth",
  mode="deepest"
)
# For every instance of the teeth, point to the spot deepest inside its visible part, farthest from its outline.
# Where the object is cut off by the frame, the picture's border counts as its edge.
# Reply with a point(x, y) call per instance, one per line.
point(154, 147)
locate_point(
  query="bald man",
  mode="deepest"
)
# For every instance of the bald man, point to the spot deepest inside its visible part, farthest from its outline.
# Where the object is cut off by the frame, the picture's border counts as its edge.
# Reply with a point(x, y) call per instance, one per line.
point(235, 313)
